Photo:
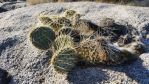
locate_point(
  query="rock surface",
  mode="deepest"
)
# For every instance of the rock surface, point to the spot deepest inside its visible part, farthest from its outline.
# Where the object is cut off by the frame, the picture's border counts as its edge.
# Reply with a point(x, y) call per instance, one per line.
point(7, 6)
point(28, 65)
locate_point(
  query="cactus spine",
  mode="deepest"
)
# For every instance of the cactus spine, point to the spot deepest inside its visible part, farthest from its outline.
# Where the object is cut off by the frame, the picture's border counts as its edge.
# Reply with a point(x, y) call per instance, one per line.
point(97, 51)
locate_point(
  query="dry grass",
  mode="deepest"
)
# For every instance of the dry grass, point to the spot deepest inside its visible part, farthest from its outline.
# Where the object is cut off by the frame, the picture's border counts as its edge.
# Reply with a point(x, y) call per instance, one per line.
point(34, 2)
point(116, 1)
point(130, 2)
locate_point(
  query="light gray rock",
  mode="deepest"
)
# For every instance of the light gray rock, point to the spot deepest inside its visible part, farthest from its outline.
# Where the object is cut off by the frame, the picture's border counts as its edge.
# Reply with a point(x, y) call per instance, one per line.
point(28, 65)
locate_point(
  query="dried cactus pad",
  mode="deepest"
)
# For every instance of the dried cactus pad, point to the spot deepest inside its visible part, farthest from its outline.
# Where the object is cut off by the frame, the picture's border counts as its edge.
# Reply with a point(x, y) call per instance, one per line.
point(70, 13)
point(64, 60)
point(42, 37)
point(85, 27)
point(99, 51)
point(56, 26)
point(88, 52)
point(75, 34)
point(64, 21)
point(107, 22)
point(45, 20)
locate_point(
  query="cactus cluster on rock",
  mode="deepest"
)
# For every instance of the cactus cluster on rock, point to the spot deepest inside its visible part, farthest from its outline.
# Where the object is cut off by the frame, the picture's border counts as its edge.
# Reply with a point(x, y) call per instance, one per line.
point(73, 39)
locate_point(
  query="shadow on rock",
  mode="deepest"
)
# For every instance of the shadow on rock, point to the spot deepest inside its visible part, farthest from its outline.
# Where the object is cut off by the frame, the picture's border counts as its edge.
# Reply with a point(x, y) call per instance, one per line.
point(87, 76)
point(7, 6)
point(136, 71)
point(4, 77)
point(2, 10)
point(9, 42)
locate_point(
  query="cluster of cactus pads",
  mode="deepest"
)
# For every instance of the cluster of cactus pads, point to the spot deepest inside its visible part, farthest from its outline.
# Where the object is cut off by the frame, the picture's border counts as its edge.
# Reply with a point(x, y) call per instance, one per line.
point(73, 39)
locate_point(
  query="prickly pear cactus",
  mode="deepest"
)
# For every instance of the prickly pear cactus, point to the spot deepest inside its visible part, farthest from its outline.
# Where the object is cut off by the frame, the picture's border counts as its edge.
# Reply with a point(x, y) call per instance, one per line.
point(74, 40)
point(42, 37)
point(64, 21)
point(45, 20)
point(97, 51)
point(63, 41)
point(75, 34)
point(85, 27)
point(60, 22)
point(69, 13)
point(65, 31)
point(64, 60)
point(56, 26)
point(88, 52)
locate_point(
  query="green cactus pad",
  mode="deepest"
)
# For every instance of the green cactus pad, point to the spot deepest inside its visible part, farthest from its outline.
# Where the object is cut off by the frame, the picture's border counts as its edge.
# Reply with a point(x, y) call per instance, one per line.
point(64, 60)
point(63, 41)
point(42, 37)
point(45, 20)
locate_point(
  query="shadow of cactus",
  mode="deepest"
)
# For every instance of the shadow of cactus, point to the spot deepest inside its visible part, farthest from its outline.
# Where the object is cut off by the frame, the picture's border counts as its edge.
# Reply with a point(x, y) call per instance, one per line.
point(87, 76)
point(135, 70)
point(115, 31)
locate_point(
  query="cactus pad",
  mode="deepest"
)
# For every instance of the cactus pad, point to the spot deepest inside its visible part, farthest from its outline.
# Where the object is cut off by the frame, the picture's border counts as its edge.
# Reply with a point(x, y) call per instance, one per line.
point(45, 20)
point(63, 41)
point(64, 60)
point(56, 26)
point(97, 51)
point(75, 34)
point(85, 27)
point(69, 13)
point(42, 37)
point(64, 21)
